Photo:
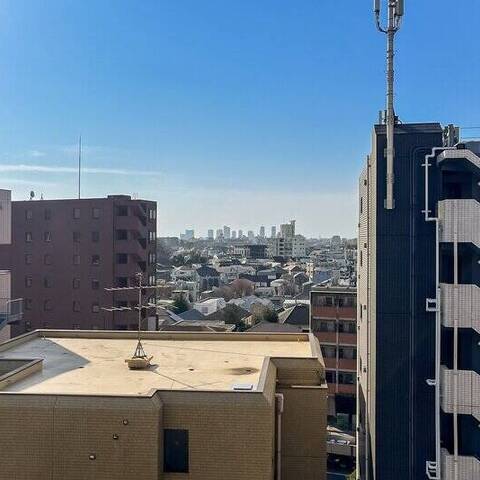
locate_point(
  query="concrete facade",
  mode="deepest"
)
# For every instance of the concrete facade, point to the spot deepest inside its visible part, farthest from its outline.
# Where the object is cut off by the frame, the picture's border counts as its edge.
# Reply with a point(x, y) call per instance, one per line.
point(64, 253)
point(56, 424)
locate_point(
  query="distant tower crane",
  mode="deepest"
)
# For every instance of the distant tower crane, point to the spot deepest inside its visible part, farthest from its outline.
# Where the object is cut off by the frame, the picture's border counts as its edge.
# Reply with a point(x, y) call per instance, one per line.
point(395, 13)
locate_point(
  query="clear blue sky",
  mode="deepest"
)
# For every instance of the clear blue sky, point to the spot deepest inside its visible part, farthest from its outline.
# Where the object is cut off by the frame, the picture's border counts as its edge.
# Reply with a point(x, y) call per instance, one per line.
point(242, 112)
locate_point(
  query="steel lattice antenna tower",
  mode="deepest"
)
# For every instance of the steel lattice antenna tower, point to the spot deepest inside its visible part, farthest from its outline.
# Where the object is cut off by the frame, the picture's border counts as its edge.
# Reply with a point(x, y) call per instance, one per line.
point(395, 13)
point(139, 358)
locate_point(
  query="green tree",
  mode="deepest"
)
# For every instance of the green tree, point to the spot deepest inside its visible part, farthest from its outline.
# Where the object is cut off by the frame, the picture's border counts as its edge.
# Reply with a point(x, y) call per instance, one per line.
point(180, 305)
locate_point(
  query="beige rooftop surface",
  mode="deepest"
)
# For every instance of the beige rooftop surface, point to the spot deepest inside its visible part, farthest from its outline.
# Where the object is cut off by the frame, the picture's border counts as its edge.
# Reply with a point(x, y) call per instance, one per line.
point(91, 363)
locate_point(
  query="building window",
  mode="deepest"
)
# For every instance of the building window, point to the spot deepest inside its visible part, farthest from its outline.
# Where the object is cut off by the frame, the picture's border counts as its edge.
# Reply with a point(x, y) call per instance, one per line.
point(347, 327)
point(27, 303)
point(76, 306)
point(28, 214)
point(151, 237)
point(96, 260)
point(76, 236)
point(175, 451)
point(151, 258)
point(327, 326)
point(47, 305)
point(76, 326)
point(76, 213)
point(95, 284)
point(330, 376)
point(95, 212)
point(152, 280)
point(47, 282)
point(329, 351)
point(48, 214)
point(76, 259)
point(76, 283)
point(95, 236)
point(95, 307)
point(122, 282)
point(47, 236)
point(152, 214)
point(28, 259)
point(28, 236)
point(122, 211)
point(47, 259)
point(348, 353)
point(121, 235)
point(346, 378)
point(28, 281)
point(122, 258)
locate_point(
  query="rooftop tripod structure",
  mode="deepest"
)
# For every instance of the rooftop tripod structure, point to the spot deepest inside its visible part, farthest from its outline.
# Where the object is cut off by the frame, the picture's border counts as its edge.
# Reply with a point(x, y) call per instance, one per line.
point(395, 13)
point(139, 359)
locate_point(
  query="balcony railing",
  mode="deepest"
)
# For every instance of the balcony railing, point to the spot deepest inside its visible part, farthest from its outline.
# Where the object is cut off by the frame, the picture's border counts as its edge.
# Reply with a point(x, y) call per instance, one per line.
point(464, 215)
point(468, 392)
point(468, 299)
point(11, 311)
point(468, 468)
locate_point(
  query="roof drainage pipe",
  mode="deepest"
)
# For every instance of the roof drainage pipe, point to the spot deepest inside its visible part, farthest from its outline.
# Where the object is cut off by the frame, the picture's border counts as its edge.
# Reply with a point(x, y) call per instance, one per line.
point(433, 470)
point(279, 401)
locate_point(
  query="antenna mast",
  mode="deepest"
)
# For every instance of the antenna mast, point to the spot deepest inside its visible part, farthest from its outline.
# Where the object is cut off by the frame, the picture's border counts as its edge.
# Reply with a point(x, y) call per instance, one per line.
point(139, 359)
point(79, 163)
point(395, 13)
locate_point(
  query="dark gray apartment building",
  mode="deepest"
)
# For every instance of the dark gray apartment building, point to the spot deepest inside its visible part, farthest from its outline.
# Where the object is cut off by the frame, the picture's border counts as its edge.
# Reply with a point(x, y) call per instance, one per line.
point(64, 253)
point(419, 308)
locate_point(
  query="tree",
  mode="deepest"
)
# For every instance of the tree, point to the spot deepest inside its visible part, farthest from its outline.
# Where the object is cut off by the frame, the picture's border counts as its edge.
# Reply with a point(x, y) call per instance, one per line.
point(261, 313)
point(242, 287)
point(180, 305)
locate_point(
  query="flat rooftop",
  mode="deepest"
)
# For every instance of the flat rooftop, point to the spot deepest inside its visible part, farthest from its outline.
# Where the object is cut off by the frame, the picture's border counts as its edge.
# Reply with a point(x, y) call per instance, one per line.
point(93, 362)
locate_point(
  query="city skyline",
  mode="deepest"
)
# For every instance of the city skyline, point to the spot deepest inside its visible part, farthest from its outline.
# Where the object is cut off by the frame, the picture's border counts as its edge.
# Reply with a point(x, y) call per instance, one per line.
point(234, 106)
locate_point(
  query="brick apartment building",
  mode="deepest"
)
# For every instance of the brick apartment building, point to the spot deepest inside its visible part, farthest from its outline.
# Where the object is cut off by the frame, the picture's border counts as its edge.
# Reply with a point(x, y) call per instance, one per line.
point(213, 406)
point(64, 253)
point(333, 320)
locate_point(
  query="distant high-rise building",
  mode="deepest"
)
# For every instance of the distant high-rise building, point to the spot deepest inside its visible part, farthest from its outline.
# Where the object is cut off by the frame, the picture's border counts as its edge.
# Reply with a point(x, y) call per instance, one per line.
point(219, 234)
point(262, 232)
point(418, 314)
point(188, 235)
point(210, 234)
point(273, 232)
point(234, 234)
point(240, 233)
point(287, 230)
point(226, 232)
point(250, 235)
point(336, 241)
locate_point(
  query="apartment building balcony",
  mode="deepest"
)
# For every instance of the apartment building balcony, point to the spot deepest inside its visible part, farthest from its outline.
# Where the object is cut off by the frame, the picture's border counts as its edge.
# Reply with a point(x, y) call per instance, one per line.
point(466, 301)
point(339, 338)
point(464, 215)
point(468, 468)
point(130, 222)
point(460, 153)
point(342, 313)
point(468, 392)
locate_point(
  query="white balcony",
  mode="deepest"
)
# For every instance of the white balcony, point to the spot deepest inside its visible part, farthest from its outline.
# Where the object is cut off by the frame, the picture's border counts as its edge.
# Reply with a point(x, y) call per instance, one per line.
point(465, 214)
point(468, 392)
point(464, 301)
point(459, 154)
point(468, 467)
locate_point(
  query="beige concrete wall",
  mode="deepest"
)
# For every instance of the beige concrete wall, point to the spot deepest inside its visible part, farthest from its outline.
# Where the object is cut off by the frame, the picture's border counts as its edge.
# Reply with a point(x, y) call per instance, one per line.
point(231, 435)
point(304, 427)
point(48, 437)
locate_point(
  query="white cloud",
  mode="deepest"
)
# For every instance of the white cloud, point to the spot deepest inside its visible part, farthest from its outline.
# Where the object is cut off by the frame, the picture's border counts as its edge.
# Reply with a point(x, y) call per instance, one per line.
point(36, 153)
point(60, 169)
point(28, 183)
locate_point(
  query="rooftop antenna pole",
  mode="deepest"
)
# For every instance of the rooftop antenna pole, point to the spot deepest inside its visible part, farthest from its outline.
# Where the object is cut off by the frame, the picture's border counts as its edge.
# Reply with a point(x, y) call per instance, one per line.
point(79, 163)
point(396, 10)
point(139, 359)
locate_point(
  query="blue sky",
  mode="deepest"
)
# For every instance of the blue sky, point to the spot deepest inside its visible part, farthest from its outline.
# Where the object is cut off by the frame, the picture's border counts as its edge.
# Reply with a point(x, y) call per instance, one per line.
point(243, 113)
